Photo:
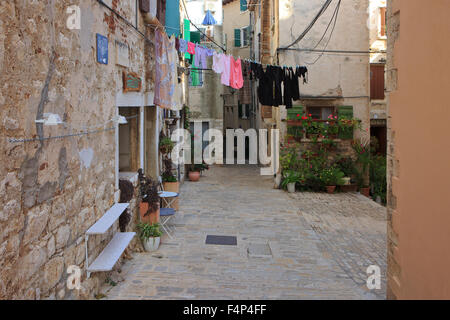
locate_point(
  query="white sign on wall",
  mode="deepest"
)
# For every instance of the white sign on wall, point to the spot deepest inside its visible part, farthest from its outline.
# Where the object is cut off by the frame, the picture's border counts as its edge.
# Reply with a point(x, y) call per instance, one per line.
point(122, 54)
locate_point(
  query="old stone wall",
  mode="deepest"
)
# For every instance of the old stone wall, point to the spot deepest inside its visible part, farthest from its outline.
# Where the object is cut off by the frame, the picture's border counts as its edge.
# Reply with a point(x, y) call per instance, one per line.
point(53, 190)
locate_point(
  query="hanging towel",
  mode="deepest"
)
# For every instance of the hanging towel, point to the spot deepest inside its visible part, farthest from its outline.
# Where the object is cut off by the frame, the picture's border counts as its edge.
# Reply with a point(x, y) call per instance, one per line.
point(191, 47)
point(217, 62)
point(236, 80)
point(225, 78)
point(164, 71)
point(200, 56)
point(183, 45)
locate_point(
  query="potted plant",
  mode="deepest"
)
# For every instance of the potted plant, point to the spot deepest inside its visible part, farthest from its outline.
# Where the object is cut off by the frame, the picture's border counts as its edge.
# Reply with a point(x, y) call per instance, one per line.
point(331, 178)
point(150, 200)
point(290, 179)
point(150, 236)
point(195, 171)
point(166, 145)
point(347, 166)
point(170, 181)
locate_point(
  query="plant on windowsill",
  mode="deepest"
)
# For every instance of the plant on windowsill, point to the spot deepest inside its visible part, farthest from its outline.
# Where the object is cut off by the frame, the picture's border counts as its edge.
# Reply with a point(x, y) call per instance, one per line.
point(150, 200)
point(150, 235)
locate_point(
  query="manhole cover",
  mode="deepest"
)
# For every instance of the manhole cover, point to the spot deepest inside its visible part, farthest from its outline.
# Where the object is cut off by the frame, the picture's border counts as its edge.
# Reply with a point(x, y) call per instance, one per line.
point(221, 240)
point(257, 250)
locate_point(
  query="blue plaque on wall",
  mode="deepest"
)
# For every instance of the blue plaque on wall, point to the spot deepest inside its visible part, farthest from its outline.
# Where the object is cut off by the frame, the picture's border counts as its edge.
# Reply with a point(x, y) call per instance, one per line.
point(102, 49)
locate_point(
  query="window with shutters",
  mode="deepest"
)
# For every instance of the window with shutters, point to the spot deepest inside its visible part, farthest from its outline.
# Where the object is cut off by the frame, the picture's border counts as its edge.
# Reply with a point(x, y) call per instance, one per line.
point(245, 36)
point(377, 81)
point(320, 113)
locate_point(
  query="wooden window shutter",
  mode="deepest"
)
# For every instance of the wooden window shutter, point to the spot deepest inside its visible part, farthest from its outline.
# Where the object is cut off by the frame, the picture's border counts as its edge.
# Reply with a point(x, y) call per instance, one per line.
point(383, 22)
point(377, 82)
point(295, 113)
point(345, 112)
point(237, 38)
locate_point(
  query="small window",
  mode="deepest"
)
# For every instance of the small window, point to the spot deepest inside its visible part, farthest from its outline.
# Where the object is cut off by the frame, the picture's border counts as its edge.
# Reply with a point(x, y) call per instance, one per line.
point(320, 113)
point(244, 111)
point(245, 36)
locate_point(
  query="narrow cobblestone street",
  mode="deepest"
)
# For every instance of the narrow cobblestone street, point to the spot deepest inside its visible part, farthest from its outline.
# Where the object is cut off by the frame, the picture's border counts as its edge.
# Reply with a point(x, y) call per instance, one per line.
point(301, 246)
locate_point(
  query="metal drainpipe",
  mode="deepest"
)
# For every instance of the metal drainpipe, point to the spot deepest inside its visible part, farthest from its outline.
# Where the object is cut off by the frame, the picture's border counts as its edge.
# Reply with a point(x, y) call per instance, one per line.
point(253, 117)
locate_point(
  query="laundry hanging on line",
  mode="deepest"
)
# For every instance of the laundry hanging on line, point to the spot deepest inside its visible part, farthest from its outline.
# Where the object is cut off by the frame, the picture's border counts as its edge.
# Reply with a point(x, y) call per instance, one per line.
point(276, 85)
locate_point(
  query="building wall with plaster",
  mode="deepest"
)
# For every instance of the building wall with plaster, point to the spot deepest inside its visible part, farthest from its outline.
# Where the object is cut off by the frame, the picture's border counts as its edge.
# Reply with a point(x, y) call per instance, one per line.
point(53, 190)
point(344, 76)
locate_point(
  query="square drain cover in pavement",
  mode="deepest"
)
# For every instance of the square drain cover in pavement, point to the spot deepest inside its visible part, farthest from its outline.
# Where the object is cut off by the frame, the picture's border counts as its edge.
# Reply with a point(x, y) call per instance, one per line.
point(256, 250)
point(221, 240)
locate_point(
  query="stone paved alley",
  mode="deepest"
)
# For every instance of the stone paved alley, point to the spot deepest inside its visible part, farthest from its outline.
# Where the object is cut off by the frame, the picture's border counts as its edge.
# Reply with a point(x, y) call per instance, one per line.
point(302, 246)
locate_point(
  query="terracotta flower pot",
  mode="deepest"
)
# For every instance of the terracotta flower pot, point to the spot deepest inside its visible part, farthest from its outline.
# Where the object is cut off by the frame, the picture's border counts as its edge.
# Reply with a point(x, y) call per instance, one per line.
point(152, 217)
point(194, 176)
point(365, 191)
point(331, 189)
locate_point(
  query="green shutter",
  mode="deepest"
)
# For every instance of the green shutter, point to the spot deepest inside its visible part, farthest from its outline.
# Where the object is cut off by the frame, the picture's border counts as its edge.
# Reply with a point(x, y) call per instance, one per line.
point(345, 112)
point(237, 38)
point(187, 35)
point(295, 113)
point(243, 5)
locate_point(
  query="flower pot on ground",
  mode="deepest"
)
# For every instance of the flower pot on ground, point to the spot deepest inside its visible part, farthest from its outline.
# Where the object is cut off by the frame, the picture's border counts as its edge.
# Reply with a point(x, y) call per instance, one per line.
point(331, 178)
point(150, 200)
point(365, 191)
point(195, 171)
point(291, 187)
point(331, 189)
point(150, 235)
point(194, 176)
point(290, 179)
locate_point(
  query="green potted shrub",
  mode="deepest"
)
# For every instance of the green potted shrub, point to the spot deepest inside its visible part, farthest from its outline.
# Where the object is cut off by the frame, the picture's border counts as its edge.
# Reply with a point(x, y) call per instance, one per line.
point(150, 200)
point(150, 236)
point(332, 177)
point(195, 170)
point(290, 179)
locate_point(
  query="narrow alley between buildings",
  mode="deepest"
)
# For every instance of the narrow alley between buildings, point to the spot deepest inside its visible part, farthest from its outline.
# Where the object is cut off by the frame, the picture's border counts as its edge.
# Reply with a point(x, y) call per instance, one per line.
point(300, 246)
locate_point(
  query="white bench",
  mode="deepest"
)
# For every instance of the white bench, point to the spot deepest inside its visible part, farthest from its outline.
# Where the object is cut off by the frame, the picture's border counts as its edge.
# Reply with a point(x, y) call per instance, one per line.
point(112, 252)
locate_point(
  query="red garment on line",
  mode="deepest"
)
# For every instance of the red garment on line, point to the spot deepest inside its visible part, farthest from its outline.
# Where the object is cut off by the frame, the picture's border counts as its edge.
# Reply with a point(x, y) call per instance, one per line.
point(191, 48)
point(236, 79)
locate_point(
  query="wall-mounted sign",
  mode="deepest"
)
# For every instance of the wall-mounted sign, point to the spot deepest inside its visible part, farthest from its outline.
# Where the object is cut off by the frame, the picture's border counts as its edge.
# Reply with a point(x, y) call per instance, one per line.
point(122, 54)
point(102, 49)
point(131, 82)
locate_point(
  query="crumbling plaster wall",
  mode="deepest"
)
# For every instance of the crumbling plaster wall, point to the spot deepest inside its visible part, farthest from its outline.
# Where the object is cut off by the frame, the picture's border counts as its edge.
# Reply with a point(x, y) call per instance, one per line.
point(343, 75)
point(53, 190)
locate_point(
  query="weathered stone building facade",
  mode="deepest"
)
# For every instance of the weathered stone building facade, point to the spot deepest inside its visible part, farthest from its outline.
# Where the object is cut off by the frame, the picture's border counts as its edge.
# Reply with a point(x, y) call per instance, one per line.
point(53, 189)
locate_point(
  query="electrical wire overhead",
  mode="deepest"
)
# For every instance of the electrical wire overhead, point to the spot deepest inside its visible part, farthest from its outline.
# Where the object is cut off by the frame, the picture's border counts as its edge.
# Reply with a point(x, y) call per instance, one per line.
point(309, 27)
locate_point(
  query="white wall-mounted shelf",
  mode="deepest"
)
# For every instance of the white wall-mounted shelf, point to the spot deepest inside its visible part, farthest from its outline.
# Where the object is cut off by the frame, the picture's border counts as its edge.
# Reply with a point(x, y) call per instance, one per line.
point(109, 256)
point(108, 219)
point(112, 252)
